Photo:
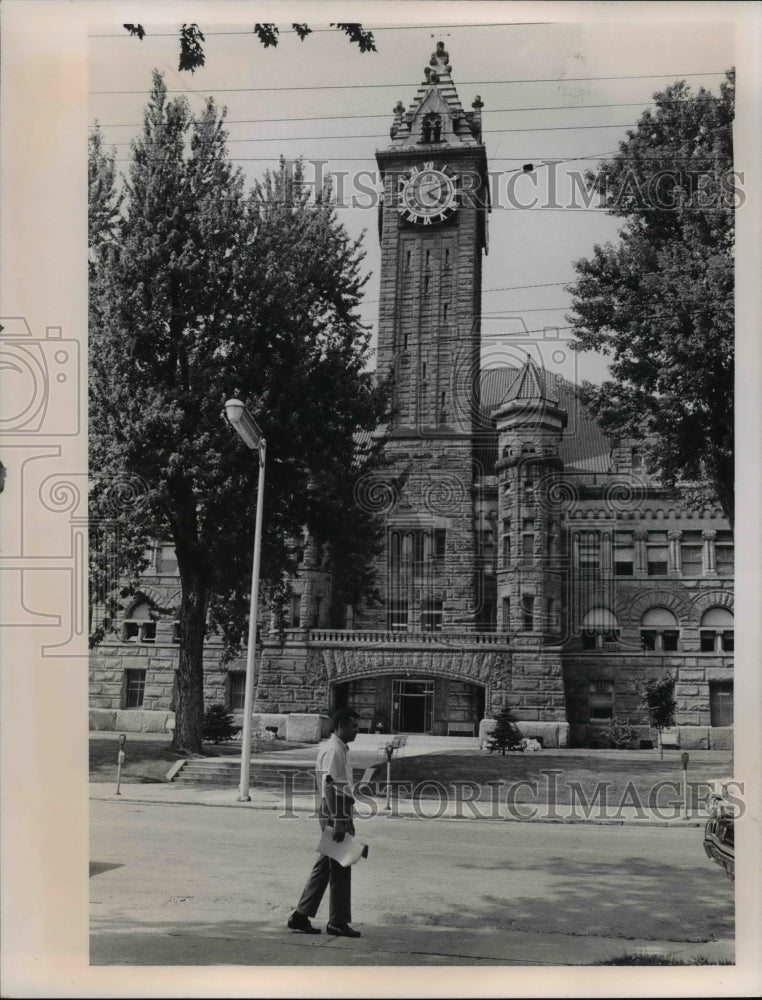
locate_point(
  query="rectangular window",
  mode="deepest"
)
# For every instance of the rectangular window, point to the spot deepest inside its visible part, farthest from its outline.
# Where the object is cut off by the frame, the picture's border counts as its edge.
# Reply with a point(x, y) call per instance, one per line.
point(658, 553)
point(316, 619)
point(589, 555)
point(506, 541)
point(690, 553)
point(130, 631)
point(295, 611)
point(139, 631)
point(397, 616)
point(624, 554)
point(440, 541)
point(716, 642)
point(487, 540)
point(529, 491)
point(134, 688)
point(708, 640)
point(237, 690)
point(721, 703)
point(553, 619)
point(648, 639)
point(527, 612)
point(590, 639)
point(527, 541)
point(670, 638)
point(723, 553)
point(431, 616)
point(506, 614)
point(176, 632)
point(601, 699)
point(167, 559)
point(418, 550)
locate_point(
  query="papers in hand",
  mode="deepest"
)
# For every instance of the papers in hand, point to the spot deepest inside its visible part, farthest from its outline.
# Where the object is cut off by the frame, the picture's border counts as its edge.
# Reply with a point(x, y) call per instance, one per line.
point(347, 851)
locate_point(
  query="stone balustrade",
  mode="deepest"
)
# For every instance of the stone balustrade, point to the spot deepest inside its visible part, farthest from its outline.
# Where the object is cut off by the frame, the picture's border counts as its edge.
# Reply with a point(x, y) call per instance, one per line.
point(378, 637)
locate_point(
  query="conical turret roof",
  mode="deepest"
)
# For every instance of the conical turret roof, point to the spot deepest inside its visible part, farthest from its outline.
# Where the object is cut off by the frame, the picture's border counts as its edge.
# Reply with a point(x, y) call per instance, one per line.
point(532, 383)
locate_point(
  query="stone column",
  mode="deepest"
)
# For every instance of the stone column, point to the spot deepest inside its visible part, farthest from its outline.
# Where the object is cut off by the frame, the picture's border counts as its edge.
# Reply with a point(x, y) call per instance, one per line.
point(641, 556)
point(607, 562)
point(709, 562)
point(675, 556)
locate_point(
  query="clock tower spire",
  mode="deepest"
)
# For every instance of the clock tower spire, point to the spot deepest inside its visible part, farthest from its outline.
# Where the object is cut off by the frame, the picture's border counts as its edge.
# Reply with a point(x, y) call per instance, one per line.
point(433, 235)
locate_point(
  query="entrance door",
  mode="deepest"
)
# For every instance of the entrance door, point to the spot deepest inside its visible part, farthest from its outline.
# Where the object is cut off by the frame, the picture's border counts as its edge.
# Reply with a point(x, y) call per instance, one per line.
point(412, 706)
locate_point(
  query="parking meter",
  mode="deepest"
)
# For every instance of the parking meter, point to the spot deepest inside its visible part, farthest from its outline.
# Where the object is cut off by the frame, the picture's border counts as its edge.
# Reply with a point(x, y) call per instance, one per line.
point(120, 761)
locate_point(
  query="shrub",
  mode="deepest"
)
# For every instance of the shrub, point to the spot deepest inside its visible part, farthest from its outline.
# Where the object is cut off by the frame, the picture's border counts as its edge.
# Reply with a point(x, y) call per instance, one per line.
point(505, 735)
point(218, 724)
point(619, 734)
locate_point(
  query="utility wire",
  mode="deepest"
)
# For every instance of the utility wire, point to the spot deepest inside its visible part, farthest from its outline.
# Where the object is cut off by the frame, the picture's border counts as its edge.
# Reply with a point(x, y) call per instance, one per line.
point(377, 86)
point(387, 115)
point(384, 135)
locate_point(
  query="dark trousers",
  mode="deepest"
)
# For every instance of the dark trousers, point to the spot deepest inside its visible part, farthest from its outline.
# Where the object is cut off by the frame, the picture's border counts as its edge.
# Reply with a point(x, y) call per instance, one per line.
point(327, 872)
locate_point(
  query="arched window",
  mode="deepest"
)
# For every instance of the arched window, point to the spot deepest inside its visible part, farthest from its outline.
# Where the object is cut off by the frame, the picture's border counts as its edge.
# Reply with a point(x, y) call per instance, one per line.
point(717, 631)
point(659, 631)
point(599, 626)
point(138, 625)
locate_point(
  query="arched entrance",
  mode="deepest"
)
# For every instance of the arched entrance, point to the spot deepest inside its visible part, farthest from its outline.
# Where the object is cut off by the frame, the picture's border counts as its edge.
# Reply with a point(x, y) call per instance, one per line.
point(410, 703)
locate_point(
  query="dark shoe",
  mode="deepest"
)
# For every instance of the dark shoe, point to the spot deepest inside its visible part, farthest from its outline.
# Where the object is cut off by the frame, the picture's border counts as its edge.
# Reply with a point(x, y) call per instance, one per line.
point(298, 922)
point(342, 930)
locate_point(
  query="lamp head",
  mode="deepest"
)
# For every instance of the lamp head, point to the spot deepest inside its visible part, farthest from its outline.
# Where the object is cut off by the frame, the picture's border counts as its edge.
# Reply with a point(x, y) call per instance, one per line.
point(246, 426)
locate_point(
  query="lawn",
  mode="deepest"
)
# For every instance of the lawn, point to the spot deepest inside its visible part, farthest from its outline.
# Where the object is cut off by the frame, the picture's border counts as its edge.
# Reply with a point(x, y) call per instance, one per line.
point(555, 775)
point(148, 761)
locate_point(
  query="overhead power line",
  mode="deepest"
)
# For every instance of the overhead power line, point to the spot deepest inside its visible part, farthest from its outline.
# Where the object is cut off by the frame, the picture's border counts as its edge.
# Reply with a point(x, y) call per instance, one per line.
point(406, 85)
point(387, 115)
point(384, 135)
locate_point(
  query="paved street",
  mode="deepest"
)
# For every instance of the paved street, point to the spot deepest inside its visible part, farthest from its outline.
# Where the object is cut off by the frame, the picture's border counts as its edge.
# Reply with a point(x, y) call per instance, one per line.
point(184, 884)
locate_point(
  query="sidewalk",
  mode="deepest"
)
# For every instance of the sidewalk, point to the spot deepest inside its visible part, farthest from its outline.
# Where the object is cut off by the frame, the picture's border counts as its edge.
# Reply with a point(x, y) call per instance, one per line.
point(455, 810)
point(382, 945)
point(454, 805)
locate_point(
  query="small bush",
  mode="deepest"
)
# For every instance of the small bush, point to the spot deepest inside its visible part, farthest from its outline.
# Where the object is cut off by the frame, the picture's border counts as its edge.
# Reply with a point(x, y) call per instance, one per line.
point(619, 734)
point(506, 734)
point(218, 724)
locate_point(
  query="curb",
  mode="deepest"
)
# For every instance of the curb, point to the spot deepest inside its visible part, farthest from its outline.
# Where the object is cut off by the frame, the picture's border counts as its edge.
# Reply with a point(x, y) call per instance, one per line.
point(307, 805)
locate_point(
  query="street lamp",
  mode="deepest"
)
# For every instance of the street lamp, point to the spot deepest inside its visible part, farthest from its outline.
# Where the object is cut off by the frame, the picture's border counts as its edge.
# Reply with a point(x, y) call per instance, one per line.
point(247, 428)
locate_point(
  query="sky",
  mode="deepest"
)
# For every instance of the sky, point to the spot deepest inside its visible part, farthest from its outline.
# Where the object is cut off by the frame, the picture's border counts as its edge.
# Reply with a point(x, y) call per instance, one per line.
point(552, 92)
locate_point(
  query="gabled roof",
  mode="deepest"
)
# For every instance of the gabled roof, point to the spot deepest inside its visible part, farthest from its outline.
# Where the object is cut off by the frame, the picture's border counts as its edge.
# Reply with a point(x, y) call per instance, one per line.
point(437, 95)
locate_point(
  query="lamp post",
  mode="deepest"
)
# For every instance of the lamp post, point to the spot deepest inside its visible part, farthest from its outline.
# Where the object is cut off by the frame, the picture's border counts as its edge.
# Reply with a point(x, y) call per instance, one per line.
point(247, 428)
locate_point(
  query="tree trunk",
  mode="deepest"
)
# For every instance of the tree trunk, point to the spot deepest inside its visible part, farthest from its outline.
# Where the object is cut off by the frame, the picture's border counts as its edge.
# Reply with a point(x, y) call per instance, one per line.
point(189, 709)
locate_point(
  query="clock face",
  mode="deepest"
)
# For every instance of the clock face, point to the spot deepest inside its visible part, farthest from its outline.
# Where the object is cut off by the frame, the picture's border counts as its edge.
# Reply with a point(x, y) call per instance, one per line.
point(428, 195)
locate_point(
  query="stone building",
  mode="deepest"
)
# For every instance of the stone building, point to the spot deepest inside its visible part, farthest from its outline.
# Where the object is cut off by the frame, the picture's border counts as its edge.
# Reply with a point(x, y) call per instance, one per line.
point(528, 558)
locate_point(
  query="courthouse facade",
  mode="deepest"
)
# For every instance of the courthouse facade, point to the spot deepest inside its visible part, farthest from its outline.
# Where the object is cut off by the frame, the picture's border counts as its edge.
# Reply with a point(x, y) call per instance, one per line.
point(528, 558)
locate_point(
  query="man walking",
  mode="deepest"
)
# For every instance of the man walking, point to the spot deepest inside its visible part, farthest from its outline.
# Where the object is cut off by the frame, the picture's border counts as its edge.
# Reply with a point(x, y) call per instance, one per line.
point(333, 773)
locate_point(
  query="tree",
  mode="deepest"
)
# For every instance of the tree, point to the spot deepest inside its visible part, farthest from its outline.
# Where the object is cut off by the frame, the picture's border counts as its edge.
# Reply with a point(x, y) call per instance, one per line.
point(660, 302)
point(192, 56)
point(505, 735)
point(659, 698)
point(205, 293)
point(104, 198)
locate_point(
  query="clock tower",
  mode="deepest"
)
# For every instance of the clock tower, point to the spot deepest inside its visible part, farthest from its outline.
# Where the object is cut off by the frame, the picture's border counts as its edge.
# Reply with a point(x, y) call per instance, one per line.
point(433, 232)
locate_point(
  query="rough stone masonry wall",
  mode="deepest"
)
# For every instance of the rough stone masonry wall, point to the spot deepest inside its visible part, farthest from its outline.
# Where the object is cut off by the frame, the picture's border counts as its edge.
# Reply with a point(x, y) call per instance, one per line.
point(629, 675)
point(434, 491)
